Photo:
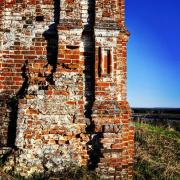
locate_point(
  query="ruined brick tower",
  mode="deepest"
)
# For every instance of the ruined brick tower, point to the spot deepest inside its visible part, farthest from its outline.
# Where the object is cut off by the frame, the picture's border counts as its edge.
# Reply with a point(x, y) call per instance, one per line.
point(63, 86)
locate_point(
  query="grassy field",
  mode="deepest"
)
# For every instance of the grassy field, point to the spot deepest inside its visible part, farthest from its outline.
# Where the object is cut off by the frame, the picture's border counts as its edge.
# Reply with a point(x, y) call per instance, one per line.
point(157, 153)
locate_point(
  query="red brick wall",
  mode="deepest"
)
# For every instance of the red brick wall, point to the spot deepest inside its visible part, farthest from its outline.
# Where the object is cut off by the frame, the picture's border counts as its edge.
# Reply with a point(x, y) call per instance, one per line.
point(20, 42)
point(63, 86)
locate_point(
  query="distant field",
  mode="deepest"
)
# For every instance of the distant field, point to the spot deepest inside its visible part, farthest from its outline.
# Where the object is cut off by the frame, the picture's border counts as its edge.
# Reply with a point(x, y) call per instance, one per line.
point(164, 117)
point(161, 113)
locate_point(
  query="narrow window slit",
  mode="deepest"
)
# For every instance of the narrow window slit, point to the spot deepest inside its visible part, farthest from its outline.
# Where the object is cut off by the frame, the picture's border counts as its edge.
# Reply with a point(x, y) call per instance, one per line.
point(99, 61)
point(109, 63)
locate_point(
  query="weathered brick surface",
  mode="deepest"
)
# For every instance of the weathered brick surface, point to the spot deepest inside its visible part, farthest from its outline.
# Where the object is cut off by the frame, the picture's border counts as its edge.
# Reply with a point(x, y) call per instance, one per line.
point(63, 86)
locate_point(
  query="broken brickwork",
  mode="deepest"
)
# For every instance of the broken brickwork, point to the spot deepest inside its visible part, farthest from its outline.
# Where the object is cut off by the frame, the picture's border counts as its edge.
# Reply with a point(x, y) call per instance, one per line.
point(63, 86)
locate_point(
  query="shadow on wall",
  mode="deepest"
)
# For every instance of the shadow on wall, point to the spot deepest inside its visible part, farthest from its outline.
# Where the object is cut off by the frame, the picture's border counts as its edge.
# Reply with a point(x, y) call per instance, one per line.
point(88, 38)
point(4, 116)
point(13, 104)
point(51, 35)
point(52, 38)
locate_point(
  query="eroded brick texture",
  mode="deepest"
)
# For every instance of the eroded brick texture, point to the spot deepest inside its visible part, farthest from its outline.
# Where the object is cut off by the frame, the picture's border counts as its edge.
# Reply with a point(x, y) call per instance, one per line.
point(63, 86)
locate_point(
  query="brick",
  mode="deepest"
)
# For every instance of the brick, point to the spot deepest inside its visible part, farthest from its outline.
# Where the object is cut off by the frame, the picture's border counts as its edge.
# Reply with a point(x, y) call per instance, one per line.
point(66, 84)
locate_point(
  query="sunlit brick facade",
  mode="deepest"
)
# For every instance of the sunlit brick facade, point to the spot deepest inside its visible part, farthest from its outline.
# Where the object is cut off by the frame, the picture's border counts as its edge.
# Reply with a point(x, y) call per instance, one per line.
point(63, 86)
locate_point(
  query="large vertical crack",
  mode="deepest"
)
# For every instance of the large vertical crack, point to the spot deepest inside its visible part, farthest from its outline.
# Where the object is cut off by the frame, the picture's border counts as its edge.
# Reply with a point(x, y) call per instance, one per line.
point(88, 37)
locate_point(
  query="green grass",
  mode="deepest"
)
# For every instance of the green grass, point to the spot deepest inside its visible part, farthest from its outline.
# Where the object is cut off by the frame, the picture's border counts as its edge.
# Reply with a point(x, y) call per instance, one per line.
point(169, 133)
point(157, 152)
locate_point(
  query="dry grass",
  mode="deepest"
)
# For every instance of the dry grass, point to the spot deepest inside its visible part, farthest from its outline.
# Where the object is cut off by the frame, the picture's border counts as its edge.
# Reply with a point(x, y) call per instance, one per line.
point(157, 153)
point(69, 173)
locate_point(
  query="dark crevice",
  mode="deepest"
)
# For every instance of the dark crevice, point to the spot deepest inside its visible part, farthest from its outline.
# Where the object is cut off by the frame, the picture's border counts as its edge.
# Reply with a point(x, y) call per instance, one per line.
point(13, 115)
point(88, 38)
point(99, 61)
point(72, 47)
point(108, 61)
point(89, 51)
point(95, 152)
point(52, 38)
point(13, 104)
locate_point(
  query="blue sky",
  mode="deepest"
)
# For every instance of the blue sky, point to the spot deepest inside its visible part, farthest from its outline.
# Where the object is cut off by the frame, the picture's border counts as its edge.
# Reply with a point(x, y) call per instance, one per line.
point(153, 53)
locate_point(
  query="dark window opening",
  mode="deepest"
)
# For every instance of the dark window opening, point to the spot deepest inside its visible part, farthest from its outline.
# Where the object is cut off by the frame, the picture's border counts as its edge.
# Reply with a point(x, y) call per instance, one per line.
point(99, 61)
point(109, 63)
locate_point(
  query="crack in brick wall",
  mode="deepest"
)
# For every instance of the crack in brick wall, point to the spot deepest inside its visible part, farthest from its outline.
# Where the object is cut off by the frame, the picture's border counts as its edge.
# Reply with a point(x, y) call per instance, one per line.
point(63, 86)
